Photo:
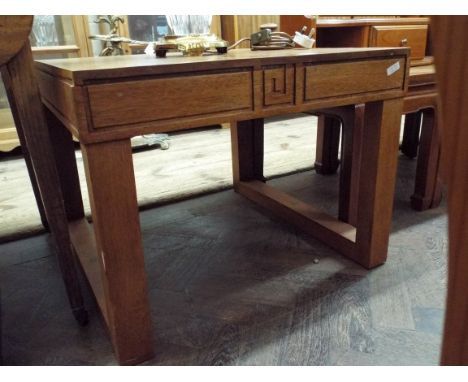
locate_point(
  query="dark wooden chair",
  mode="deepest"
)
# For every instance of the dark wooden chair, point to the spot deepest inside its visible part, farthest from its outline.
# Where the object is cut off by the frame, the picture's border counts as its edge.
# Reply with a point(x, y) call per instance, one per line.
point(16, 65)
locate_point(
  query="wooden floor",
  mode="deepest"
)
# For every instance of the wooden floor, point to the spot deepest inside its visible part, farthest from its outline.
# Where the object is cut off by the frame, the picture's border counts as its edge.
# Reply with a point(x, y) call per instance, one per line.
point(231, 285)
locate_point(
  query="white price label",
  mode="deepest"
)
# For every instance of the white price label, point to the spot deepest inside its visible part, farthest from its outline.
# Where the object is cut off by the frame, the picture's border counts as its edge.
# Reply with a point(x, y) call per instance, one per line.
point(393, 68)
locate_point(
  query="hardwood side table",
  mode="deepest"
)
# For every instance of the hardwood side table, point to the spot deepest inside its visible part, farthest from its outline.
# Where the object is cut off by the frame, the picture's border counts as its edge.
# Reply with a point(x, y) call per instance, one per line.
point(104, 101)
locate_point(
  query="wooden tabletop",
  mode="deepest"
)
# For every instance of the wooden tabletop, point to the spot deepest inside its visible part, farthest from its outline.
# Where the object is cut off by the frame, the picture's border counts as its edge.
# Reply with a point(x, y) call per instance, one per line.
point(358, 22)
point(94, 68)
point(422, 75)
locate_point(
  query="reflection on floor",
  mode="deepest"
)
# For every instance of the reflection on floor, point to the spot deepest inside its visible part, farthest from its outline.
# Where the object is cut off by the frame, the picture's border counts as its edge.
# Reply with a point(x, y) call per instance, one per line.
point(232, 285)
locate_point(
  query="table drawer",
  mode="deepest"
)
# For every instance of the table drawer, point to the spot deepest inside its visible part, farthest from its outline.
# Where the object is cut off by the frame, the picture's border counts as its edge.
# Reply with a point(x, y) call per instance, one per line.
point(340, 79)
point(157, 99)
point(412, 36)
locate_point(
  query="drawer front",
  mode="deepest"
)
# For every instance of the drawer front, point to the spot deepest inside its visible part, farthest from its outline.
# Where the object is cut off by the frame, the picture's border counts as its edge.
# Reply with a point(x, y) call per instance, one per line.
point(278, 85)
point(412, 36)
point(165, 98)
point(340, 79)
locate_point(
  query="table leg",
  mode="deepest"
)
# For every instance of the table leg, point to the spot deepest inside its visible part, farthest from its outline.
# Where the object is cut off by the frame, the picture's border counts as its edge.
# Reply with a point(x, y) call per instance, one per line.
point(247, 150)
point(19, 76)
point(427, 190)
point(350, 118)
point(64, 153)
point(412, 128)
point(112, 191)
point(328, 141)
point(356, 162)
point(378, 168)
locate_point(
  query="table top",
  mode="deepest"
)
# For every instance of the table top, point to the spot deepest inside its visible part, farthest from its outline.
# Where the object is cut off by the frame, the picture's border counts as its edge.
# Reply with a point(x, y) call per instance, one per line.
point(95, 68)
point(358, 22)
point(422, 75)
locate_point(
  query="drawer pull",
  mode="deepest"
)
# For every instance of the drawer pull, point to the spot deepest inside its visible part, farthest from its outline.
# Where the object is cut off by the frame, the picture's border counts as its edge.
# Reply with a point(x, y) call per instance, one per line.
point(404, 42)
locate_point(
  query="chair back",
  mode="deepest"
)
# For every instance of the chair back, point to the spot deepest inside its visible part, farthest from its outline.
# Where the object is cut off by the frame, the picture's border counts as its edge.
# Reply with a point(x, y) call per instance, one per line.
point(14, 32)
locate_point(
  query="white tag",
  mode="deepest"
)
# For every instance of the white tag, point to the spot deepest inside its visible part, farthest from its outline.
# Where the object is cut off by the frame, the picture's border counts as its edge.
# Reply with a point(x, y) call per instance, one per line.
point(149, 50)
point(303, 40)
point(393, 68)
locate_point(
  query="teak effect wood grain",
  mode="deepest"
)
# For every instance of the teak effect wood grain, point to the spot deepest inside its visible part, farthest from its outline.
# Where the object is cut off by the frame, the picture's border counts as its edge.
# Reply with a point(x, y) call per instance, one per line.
point(242, 87)
point(414, 36)
point(92, 95)
point(345, 78)
point(368, 21)
point(165, 98)
point(119, 249)
point(89, 69)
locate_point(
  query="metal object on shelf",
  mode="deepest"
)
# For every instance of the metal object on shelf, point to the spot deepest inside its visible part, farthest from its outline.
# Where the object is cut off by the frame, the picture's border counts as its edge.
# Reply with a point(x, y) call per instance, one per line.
point(268, 38)
point(113, 42)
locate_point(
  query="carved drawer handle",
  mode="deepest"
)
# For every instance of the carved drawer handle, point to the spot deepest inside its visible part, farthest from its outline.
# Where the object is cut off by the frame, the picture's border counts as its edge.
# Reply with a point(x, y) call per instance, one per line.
point(404, 42)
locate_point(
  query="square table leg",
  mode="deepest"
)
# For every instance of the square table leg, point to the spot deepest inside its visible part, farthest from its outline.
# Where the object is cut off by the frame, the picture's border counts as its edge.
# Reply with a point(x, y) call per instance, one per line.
point(411, 131)
point(377, 176)
point(247, 139)
point(118, 248)
point(351, 119)
point(427, 188)
point(328, 141)
point(63, 149)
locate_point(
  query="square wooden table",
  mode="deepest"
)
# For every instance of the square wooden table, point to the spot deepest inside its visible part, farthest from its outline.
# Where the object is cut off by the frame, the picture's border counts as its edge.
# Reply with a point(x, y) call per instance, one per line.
point(104, 101)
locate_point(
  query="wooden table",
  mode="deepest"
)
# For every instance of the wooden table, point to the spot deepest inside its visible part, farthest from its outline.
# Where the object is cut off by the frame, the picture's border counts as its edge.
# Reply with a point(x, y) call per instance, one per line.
point(104, 101)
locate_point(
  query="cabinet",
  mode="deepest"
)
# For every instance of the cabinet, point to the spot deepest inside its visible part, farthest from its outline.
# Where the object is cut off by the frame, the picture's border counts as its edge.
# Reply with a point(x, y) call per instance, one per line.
point(379, 32)
point(414, 36)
